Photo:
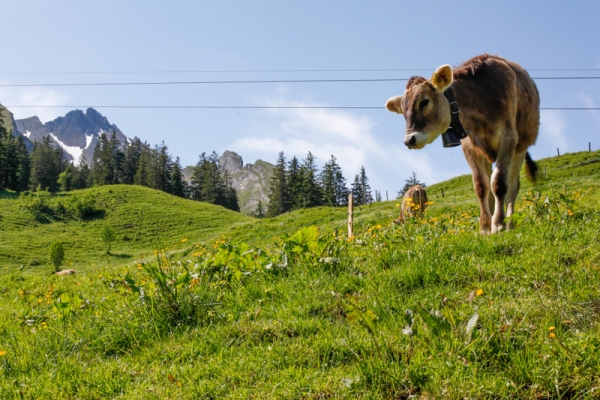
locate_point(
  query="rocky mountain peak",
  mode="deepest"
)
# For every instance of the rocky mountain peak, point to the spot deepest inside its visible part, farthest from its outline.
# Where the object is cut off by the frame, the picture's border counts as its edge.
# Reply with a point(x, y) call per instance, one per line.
point(230, 161)
point(76, 133)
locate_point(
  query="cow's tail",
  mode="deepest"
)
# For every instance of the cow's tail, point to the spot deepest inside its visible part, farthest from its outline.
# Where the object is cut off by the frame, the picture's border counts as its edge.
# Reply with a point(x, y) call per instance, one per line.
point(530, 167)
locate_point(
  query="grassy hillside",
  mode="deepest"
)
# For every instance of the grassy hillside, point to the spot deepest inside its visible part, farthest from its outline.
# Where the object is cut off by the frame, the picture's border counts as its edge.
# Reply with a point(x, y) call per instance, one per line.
point(281, 309)
point(143, 219)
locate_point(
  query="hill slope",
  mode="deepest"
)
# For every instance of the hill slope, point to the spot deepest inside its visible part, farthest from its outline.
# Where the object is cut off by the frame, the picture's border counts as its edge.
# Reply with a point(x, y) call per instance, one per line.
point(142, 218)
point(427, 309)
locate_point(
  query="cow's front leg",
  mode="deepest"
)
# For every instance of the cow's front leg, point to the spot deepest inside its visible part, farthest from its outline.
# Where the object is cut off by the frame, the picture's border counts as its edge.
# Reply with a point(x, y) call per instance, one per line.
point(481, 169)
point(499, 181)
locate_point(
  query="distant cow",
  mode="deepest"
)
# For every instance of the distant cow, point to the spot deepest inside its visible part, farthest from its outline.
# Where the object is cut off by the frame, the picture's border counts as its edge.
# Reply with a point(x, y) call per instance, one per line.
point(66, 272)
point(413, 204)
point(497, 103)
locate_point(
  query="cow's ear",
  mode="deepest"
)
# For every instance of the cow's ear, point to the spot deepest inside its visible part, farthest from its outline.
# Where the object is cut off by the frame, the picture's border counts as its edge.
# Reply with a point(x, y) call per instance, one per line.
point(442, 78)
point(394, 104)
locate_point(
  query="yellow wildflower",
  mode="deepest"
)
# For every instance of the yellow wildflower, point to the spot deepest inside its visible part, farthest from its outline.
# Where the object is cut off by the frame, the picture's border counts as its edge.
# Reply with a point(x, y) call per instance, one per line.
point(2, 353)
point(479, 292)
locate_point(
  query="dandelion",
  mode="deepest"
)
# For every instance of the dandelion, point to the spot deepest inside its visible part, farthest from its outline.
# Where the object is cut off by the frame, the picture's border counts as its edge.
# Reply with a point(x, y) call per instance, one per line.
point(479, 292)
point(551, 328)
point(21, 292)
point(570, 213)
point(552, 335)
point(2, 353)
point(183, 240)
point(397, 205)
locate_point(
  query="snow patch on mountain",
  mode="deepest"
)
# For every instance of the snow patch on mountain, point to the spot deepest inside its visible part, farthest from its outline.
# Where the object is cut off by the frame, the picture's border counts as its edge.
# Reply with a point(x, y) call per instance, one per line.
point(88, 141)
point(73, 151)
point(27, 134)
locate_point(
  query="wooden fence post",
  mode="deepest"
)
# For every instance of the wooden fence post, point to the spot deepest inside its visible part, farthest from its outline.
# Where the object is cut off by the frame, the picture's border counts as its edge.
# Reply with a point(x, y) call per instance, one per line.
point(350, 216)
point(589, 146)
point(558, 152)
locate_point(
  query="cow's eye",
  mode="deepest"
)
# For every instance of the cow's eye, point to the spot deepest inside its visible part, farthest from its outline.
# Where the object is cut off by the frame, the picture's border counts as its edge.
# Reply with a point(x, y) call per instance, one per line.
point(423, 104)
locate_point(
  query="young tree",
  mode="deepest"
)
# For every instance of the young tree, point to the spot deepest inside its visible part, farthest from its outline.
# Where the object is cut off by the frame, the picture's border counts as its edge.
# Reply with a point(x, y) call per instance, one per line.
point(57, 255)
point(108, 236)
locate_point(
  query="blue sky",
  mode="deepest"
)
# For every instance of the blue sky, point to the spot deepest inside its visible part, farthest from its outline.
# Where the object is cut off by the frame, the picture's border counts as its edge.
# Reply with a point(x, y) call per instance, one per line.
point(154, 41)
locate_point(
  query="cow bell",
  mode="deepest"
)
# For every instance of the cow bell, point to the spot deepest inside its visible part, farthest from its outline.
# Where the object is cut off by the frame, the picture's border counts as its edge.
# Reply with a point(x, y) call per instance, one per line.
point(450, 138)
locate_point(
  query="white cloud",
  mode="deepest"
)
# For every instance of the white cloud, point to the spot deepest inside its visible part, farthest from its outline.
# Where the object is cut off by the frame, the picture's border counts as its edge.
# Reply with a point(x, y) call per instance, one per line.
point(588, 101)
point(32, 96)
point(347, 135)
point(552, 128)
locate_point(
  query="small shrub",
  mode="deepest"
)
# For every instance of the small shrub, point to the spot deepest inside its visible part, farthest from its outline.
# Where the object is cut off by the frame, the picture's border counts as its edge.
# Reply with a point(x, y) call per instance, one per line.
point(57, 255)
point(85, 208)
point(34, 262)
point(108, 236)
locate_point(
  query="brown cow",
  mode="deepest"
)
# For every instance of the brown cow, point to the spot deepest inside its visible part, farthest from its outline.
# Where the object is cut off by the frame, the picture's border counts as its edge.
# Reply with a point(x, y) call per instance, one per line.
point(414, 203)
point(499, 110)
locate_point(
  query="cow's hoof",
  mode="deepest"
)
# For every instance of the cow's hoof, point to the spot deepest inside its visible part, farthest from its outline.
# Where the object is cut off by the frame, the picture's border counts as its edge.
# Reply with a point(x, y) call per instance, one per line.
point(498, 228)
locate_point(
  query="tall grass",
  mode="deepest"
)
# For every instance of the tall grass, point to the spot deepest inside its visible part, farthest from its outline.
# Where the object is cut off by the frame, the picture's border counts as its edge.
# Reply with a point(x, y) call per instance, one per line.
point(429, 309)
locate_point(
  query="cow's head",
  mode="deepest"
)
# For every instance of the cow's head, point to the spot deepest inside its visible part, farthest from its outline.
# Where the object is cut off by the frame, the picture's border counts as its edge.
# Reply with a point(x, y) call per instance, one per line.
point(424, 107)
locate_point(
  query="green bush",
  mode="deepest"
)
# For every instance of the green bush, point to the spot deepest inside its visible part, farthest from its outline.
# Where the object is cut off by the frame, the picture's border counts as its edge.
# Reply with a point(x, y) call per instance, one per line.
point(57, 255)
point(108, 236)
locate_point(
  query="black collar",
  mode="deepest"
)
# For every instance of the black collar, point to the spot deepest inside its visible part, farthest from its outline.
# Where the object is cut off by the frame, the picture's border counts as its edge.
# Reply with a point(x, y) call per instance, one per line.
point(456, 125)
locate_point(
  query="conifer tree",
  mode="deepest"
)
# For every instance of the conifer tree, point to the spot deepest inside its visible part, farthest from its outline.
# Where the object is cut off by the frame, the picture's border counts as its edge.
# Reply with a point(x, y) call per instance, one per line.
point(278, 193)
point(14, 161)
point(327, 183)
point(197, 178)
point(143, 175)
point(131, 161)
point(230, 195)
point(333, 184)
point(83, 178)
point(178, 185)
point(367, 197)
point(358, 194)
point(163, 168)
point(47, 163)
point(260, 210)
point(67, 178)
point(294, 185)
point(311, 191)
point(24, 170)
point(408, 183)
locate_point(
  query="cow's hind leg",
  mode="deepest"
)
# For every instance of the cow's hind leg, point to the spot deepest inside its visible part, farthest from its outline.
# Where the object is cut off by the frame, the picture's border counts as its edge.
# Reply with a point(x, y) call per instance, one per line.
point(514, 184)
point(481, 169)
point(500, 176)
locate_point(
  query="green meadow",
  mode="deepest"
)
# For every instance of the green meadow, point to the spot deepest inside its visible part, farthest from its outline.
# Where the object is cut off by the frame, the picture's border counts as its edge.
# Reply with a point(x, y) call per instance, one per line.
point(193, 301)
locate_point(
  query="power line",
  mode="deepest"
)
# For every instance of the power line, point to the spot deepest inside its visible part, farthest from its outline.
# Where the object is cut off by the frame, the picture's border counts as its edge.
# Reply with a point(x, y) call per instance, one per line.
point(233, 71)
point(233, 82)
point(256, 107)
